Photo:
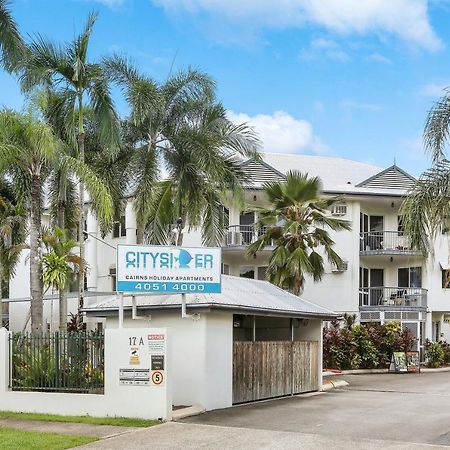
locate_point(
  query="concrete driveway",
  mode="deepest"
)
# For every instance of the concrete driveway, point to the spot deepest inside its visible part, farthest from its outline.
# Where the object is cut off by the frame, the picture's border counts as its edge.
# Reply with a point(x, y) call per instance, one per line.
point(388, 411)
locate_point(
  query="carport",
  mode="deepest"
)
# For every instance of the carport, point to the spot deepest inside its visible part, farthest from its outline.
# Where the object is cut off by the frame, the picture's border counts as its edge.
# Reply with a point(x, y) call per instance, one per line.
point(250, 342)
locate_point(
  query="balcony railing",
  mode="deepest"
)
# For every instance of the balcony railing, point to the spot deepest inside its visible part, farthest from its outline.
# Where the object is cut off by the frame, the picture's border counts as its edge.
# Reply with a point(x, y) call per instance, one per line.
point(242, 235)
point(395, 297)
point(385, 242)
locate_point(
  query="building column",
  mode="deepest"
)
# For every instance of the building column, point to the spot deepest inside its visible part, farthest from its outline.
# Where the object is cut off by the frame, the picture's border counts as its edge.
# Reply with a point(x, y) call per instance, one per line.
point(91, 251)
point(130, 223)
point(429, 326)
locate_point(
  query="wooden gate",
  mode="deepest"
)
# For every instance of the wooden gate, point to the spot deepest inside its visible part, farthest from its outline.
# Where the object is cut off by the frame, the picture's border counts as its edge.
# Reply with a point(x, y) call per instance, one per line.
point(274, 368)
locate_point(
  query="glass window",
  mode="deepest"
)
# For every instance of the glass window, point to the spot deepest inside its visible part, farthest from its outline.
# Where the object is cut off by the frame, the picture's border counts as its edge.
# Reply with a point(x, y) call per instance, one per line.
point(400, 227)
point(410, 277)
point(262, 272)
point(119, 229)
point(225, 269)
point(113, 275)
point(446, 279)
point(247, 272)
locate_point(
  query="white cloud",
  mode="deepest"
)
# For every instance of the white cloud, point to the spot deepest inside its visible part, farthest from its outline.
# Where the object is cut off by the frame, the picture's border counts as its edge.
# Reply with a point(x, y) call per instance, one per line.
point(434, 89)
point(282, 133)
point(321, 48)
point(352, 104)
point(377, 57)
point(407, 19)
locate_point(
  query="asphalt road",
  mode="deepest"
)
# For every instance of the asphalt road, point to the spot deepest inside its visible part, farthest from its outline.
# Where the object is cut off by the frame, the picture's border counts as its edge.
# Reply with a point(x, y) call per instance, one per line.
point(388, 411)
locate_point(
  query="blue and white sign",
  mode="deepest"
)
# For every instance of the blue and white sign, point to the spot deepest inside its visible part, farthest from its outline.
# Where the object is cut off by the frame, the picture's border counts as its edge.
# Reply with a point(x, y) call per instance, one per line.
point(152, 268)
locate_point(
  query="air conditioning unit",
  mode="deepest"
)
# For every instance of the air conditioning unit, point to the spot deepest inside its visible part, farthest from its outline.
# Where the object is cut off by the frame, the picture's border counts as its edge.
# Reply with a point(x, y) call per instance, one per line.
point(339, 209)
point(341, 268)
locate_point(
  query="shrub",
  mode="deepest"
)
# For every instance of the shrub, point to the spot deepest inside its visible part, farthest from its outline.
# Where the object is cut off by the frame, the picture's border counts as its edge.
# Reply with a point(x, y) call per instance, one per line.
point(367, 346)
point(435, 354)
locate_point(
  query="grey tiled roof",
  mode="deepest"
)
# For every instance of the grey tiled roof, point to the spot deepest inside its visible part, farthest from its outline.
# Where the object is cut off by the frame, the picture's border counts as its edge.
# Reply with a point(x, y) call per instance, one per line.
point(238, 294)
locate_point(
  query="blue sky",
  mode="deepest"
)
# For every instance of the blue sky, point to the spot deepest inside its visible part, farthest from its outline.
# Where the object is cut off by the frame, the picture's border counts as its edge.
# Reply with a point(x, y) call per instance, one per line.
point(346, 78)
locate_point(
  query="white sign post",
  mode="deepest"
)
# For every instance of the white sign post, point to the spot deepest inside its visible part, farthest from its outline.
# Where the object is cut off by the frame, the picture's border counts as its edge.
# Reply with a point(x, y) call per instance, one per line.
point(163, 269)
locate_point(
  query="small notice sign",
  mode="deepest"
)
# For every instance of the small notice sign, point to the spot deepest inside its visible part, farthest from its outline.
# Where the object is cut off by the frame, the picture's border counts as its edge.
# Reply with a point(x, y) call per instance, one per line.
point(402, 362)
point(134, 355)
point(158, 377)
point(157, 362)
point(134, 377)
point(157, 343)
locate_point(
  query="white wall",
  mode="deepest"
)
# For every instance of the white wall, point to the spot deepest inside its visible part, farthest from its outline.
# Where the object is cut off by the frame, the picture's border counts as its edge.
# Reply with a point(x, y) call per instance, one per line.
point(200, 357)
point(147, 402)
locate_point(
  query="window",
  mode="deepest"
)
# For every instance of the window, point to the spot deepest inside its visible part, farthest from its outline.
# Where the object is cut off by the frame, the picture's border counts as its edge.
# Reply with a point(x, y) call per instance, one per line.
point(262, 273)
point(225, 269)
point(247, 272)
point(400, 227)
point(113, 275)
point(340, 209)
point(445, 279)
point(410, 277)
point(119, 229)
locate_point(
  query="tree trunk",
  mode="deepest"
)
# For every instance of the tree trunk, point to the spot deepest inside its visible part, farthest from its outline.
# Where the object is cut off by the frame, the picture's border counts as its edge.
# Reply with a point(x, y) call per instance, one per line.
point(181, 226)
point(36, 283)
point(140, 234)
point(63, 291)
point(81, 228)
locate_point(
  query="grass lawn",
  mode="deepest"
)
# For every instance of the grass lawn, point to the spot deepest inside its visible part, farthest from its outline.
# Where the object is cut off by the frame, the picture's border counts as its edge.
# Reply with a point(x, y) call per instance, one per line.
point(13, 439)
point(117, 421)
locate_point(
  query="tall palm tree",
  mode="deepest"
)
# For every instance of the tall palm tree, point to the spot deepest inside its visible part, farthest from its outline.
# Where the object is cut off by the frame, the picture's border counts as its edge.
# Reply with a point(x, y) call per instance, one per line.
point(12, 238)
point(297, 222)
point(427, 207)
point(29, 151)
point(178, 133)
point(81, 86)
point(59, 266)
point(12, 48)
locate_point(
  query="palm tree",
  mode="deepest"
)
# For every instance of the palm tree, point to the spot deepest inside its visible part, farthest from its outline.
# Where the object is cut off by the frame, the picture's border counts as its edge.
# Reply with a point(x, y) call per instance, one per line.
point(296, 222)
point(427, 207)
point(177, 132)
point(12, 238)
point(81, 88)
point(59, 266)
point(12, 48)
point(29, 151)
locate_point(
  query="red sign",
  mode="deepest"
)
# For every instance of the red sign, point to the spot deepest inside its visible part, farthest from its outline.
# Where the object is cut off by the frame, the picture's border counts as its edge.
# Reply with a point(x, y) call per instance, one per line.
point(156, 337)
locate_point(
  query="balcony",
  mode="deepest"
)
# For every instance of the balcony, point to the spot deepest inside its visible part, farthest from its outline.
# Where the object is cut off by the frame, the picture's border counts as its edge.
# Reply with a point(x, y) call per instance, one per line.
point(240, 236)
point(393, 243)
point(392, 298)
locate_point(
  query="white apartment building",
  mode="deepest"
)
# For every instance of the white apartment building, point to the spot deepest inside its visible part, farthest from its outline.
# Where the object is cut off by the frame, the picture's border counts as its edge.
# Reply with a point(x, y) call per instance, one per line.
point(382, 278)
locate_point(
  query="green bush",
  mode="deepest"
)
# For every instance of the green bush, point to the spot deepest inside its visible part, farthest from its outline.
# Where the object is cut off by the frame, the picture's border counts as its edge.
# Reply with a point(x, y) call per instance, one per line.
point(435, 354)
point(365, 346)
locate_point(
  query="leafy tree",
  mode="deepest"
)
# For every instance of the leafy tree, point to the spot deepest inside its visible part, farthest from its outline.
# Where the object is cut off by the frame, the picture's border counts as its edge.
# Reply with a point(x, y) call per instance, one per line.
point(81, 88)
point(296, 222)
point(179, 134)
point(12, 48)
point(59, 265)
point(29, 152)
point(427, 208)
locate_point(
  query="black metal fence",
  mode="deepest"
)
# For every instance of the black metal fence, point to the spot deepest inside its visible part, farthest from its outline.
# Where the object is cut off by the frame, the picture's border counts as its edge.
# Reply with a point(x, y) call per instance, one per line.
point(57, 362)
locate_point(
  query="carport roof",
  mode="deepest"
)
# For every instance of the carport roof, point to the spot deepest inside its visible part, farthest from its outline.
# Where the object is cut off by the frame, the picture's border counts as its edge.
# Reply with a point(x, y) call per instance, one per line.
point(240, 295)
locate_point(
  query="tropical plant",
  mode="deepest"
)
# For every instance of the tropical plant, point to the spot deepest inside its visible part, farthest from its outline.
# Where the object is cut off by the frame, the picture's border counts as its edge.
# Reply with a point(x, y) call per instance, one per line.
point(177, 132)
point(29, 152)
point(434, 353)
point(59, 266)
point(296, 222)
point(12, 238)
point(81, 88)
point(12, 48)
point(426, 210)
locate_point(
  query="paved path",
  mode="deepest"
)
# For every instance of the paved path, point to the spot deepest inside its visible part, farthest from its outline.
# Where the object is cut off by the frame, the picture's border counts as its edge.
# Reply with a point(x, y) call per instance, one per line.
point(85, 429)
point(391, 411)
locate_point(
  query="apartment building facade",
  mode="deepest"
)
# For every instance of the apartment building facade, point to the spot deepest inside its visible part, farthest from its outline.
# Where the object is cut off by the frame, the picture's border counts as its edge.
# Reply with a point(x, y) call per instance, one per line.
point(382, 278)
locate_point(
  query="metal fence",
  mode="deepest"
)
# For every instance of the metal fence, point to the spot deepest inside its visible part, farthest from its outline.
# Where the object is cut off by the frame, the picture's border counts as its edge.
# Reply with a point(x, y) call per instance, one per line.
point(243, 234)
point(57, 362)
point(378, 241)
point(393, 297)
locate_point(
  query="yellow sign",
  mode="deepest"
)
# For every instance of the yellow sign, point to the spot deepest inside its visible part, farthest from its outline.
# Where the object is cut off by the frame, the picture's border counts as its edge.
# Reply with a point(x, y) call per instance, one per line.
point(134, 355)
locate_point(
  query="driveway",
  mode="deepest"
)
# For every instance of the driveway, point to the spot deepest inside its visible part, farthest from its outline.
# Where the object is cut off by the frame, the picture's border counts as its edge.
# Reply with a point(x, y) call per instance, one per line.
point(389, 411)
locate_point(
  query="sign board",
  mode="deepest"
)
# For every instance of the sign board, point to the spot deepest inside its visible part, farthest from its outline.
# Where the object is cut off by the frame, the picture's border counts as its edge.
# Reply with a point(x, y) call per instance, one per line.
point(142, 355)
point(147, 268)
point(402, 362)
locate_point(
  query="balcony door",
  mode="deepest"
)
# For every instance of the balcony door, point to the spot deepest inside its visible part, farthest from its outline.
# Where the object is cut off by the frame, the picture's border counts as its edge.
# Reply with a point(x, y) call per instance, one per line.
point(372, 228)
point(376, 286)
point(246, 226)
point(410, 277)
